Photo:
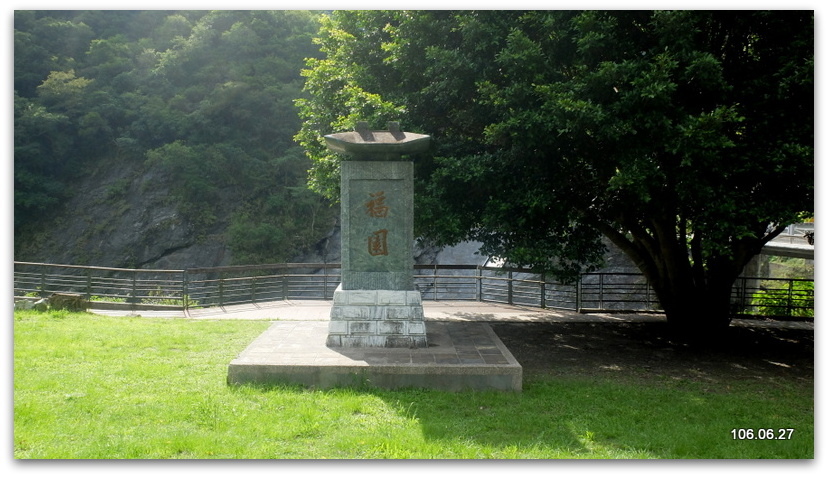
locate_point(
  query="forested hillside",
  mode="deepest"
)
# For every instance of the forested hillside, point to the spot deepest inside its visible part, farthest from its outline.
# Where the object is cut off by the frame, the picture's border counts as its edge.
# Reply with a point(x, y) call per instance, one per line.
point(162, 138)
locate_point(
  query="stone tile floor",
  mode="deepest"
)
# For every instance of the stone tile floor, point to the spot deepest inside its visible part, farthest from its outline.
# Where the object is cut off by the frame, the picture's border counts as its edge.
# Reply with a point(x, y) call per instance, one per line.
point(459, 356)
point(294, 342)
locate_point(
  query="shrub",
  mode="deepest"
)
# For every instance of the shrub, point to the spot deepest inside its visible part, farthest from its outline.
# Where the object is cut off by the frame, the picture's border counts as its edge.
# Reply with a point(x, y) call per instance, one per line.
point(795, 300)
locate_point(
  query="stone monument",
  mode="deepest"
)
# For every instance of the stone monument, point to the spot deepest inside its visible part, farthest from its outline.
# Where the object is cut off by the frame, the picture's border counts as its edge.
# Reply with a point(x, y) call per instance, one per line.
point(376, 305)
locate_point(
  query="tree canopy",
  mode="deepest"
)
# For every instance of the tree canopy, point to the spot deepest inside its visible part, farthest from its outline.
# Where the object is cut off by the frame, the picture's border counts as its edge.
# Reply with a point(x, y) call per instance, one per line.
point(684, 137)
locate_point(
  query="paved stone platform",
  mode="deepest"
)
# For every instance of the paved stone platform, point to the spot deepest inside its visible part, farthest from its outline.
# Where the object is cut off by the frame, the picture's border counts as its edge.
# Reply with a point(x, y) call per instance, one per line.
point(460, 356)
point(320, 310)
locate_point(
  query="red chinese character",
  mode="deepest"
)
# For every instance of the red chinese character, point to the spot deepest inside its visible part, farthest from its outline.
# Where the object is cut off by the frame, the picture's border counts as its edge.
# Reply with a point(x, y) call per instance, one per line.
point(376, 206)
point(377, 243)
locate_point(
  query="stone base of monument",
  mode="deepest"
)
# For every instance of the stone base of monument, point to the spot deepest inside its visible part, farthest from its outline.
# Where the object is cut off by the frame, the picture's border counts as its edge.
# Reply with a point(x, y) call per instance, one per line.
point(459, 356)
point(377, 318)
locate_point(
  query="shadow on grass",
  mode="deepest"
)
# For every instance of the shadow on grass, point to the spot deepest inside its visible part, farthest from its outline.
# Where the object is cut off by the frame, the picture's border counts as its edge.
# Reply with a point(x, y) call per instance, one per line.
point(591, 418)
point(610, 389)
point(646, 350)
point(600, 418)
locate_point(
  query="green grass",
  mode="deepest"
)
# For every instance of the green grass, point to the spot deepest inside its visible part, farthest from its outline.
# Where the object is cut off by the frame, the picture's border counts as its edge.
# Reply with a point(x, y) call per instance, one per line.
point(95, 387)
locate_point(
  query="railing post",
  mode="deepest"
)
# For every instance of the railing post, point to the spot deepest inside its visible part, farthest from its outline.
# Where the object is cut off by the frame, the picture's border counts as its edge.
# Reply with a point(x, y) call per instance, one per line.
point(325, 283)
point(510, 288)
point(434, 282)
point(253, 289)
point(543, 291)
point(42, 283)
point(88, 284)
point(479, 278)
point(578, 292)
point(284, 287)
point(133, 297)
point(185, 290)
point(745, 302)
point(790, 297)
point(221, 289)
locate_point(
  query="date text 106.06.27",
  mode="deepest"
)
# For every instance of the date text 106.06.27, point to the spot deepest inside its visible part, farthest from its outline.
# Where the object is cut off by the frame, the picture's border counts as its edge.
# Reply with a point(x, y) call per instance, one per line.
point(762, 434)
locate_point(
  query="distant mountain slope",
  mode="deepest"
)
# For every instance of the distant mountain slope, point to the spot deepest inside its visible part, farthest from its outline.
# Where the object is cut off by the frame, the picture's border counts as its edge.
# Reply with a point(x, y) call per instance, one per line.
point(162, 138)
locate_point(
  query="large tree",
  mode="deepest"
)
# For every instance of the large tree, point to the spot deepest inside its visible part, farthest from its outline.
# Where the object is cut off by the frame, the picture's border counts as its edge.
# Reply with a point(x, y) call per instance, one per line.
point(684, 137)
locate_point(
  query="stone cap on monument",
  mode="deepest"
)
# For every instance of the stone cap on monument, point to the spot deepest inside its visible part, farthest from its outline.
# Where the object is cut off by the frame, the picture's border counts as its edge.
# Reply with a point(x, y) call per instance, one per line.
point(363, 143)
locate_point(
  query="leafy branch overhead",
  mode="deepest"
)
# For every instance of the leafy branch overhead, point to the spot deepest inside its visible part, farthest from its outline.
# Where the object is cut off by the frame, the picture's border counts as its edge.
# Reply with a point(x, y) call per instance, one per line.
point(684, 137)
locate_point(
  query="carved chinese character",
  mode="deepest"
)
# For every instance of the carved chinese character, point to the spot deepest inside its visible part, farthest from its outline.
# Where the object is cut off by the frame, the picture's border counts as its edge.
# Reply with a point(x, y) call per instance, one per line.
point(376, 206)
point(377, 243)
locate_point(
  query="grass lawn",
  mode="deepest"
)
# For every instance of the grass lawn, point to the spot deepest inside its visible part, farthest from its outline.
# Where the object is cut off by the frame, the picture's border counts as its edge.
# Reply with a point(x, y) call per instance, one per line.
point(96, 387)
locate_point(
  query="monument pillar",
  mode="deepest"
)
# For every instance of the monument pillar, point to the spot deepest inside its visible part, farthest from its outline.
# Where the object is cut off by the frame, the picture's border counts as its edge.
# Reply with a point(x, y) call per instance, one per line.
point(376, 305)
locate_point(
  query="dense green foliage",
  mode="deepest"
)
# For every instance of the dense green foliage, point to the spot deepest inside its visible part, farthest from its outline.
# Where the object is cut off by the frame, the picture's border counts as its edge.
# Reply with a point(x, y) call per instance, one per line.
point(206, 96)
point(684, 137)
point(781, 298)
point(97, 387)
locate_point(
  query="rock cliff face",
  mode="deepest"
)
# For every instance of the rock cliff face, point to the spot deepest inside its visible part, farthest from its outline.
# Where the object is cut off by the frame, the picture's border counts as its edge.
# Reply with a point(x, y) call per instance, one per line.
point(121, 216)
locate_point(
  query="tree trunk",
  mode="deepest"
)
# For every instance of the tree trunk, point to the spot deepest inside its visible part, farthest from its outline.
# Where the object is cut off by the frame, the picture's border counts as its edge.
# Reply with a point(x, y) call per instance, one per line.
point(696, 314)
point(694, 290)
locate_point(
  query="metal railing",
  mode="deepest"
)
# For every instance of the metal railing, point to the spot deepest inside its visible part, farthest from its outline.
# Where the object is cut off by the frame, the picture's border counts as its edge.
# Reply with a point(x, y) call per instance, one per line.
point(778, 297)
point(100, 284)
point(616, 292)
point(220, 286)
